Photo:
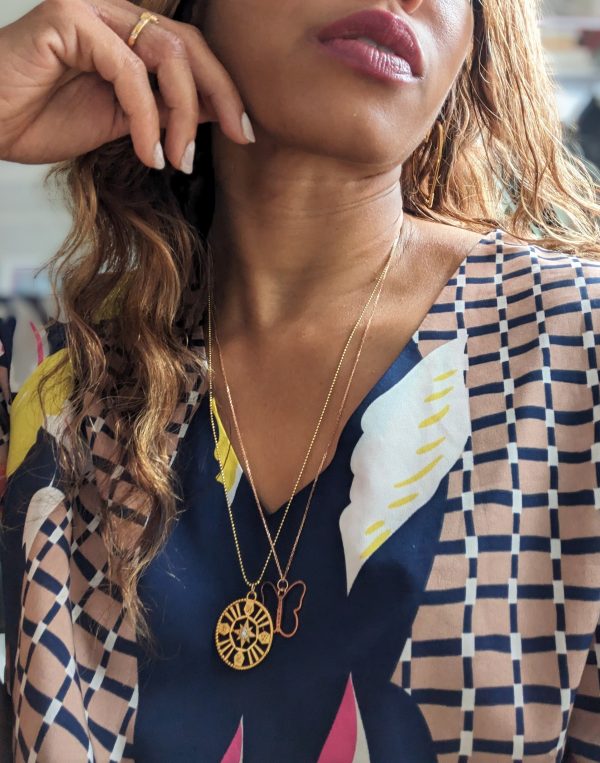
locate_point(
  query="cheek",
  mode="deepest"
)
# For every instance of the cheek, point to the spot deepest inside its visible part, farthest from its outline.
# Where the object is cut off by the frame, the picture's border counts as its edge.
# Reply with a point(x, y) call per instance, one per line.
point(266, 47)
point(300, 97)
point(252, 38)
point(450, 33)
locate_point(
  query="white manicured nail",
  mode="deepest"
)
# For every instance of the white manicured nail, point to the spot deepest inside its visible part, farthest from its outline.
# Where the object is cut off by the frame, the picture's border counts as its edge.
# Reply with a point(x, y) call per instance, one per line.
point(247, 128)
point(159, 157)
point(187, 161)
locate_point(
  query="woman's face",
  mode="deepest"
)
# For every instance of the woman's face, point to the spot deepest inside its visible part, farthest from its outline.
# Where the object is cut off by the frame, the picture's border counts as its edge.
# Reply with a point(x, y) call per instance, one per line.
point(300, 96)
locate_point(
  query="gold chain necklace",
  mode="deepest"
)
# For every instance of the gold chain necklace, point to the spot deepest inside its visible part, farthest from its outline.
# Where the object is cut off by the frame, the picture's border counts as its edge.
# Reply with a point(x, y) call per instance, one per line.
point(245, 629)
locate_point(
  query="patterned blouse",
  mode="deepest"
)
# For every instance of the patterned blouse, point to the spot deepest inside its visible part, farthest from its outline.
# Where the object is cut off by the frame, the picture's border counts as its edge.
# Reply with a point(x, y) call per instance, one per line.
point(451, 555)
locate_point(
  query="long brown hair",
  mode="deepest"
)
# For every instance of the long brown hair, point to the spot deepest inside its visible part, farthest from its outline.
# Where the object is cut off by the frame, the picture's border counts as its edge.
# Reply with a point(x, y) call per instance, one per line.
point(139, 234)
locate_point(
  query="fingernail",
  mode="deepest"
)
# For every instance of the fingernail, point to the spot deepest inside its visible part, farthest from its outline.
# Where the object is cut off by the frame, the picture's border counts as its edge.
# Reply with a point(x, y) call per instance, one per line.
point(247, 128)
point(187, 161)
point(159, 157)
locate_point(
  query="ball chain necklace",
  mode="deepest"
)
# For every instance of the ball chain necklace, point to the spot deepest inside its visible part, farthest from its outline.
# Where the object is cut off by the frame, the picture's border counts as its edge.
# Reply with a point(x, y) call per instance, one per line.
point(245, 629)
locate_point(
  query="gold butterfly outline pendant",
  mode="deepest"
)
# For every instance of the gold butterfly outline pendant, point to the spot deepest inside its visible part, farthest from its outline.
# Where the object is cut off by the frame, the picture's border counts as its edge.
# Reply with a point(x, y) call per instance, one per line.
point(285, 601)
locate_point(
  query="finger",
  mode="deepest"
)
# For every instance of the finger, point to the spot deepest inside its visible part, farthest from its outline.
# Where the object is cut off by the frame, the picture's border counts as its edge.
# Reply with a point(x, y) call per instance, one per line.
point(178, 89)
point(216, 86)
point(217, 90)
point(164, 53)
point(86, 43)
point(164, 112)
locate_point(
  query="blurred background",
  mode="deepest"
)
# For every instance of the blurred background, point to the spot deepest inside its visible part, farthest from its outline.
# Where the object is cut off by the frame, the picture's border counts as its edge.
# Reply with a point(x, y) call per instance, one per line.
point(33, 223)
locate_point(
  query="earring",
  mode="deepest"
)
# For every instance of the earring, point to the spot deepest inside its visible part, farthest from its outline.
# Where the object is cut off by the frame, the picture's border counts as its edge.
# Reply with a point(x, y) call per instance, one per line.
point(438, 162)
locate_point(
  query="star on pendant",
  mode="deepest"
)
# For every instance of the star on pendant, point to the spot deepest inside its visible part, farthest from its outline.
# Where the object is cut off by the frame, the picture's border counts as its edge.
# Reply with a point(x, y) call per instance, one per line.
point(244, 632)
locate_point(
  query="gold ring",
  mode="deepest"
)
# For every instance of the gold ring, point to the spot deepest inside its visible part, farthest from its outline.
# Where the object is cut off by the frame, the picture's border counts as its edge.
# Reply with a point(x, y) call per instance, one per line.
point(144, 19)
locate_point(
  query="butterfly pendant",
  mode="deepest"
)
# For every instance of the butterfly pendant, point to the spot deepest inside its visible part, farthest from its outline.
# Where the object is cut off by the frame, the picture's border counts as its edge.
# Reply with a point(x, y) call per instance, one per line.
point(286, 601)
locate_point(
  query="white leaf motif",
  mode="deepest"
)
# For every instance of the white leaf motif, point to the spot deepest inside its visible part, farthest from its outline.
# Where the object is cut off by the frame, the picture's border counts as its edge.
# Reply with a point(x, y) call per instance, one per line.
point(412, 435)
point(42, 504)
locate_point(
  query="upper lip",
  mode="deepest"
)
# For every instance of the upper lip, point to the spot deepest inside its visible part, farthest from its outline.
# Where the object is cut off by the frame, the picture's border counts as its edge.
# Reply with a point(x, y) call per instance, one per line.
point(384, 28)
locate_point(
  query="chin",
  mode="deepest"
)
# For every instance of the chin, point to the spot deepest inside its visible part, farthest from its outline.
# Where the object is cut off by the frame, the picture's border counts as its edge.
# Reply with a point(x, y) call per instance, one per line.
point(358, 136)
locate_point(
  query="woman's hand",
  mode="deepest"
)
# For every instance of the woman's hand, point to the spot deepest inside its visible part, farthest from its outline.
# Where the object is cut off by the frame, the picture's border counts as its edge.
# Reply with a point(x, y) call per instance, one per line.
point(69, 83)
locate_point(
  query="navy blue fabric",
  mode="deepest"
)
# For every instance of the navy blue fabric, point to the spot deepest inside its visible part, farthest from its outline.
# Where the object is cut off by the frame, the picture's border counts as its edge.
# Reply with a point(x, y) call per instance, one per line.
point(191, 703)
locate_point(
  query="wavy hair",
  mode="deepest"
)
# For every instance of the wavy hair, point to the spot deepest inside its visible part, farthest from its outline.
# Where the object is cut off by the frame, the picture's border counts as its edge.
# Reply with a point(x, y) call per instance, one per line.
point(138, 234)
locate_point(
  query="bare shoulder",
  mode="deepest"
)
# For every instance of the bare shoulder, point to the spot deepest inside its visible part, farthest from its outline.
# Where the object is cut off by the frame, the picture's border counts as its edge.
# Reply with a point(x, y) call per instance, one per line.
point(441, 235)
point(439, 248)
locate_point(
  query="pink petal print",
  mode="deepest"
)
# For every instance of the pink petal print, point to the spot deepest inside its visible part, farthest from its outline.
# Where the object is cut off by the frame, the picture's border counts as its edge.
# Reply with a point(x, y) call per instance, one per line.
point(30, 344)
point(38, 342)
point(235, 751)
point(346, 742)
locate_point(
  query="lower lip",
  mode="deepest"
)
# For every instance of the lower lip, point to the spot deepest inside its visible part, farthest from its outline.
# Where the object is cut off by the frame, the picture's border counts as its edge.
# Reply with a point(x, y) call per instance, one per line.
point(366, 58)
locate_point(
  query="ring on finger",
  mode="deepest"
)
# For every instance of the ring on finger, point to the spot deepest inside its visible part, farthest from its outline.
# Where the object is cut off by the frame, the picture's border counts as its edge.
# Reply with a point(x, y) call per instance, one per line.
point(144, 19)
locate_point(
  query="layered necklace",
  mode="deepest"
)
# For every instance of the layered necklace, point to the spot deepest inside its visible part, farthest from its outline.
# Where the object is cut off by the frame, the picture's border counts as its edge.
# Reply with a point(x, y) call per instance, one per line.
point(245, 629)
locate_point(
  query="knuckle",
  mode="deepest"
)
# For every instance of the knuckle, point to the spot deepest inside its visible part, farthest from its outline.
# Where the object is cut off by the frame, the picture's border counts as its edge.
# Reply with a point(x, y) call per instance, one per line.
point(101, 11)
point(134, 64)
point(195, 35)
point(59, 7)
point(173, 44)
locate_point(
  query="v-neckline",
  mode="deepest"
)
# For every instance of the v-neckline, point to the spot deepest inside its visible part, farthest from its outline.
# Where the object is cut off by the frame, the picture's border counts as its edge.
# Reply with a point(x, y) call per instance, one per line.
point(271, 516)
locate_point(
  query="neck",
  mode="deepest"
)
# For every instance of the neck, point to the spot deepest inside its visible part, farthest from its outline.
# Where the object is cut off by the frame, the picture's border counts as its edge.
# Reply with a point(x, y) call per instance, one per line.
point(294, 235)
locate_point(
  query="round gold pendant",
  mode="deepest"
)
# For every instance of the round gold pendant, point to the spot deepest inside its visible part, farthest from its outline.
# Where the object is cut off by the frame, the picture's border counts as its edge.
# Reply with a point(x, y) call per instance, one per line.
point(244, 633)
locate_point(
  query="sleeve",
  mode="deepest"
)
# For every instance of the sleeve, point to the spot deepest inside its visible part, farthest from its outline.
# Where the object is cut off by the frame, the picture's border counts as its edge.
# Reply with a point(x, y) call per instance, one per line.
point(25, 325)
point(583, 731)
point(582, 744)
point(30, 333)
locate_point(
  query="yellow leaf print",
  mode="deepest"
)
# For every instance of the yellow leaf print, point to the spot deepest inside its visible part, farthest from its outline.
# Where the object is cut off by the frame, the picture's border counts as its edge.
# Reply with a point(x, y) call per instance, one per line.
point(226, 455)
point(26, 416)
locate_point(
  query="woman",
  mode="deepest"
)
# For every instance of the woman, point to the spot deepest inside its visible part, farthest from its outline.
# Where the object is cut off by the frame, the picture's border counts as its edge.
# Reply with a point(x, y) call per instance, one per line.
point(432, 592)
